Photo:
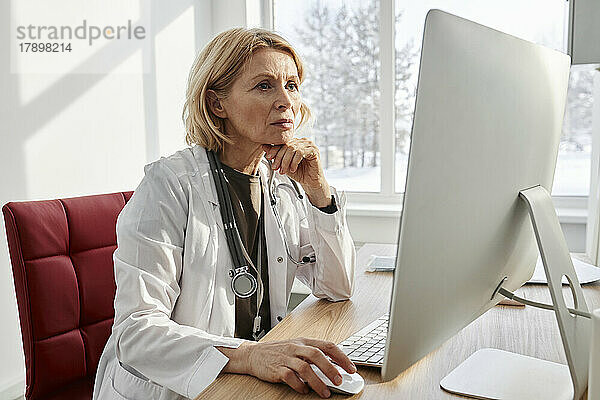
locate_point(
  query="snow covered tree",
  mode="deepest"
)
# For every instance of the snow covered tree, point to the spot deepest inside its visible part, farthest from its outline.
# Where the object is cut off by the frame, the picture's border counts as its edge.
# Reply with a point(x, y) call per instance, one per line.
point(316, 37)
point(577, 127)
point(341, 51)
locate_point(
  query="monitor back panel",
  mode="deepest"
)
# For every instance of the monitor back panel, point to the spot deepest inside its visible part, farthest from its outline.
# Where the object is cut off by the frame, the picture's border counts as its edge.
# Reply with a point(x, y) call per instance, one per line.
point(487, 124)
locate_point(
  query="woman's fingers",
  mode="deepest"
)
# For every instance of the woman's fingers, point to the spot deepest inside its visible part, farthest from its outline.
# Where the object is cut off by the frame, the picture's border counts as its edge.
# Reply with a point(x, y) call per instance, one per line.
point(304, 370)
point(289, 155)
point(289, 377)
point(296, 161)
point(286, 162)
point(267, 148)
point(316, 356)
point(334, 352)
point(291, 362)
point(270, 151)
point(278, 157)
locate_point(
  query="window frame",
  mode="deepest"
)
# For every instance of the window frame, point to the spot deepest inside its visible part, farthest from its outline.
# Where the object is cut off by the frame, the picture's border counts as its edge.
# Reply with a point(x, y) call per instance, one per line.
point(388, 202)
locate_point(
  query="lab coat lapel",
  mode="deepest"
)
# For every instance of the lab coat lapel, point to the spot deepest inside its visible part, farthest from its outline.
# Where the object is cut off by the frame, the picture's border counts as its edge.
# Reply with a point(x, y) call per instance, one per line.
point(209, 188)
point(222, 257)
point(211, 195)
point(207, 179)
point(275, 251)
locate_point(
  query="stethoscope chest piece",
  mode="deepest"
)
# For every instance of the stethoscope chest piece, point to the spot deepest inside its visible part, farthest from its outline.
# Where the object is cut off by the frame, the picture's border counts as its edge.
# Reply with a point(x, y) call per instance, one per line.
point(243, 283)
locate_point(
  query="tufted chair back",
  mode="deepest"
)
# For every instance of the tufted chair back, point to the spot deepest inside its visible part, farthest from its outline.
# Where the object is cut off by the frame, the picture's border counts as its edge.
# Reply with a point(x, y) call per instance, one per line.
point(61, 253)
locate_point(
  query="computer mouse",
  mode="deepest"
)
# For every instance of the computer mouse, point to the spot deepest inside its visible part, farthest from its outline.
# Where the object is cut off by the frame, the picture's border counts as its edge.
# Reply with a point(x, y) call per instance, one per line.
point(351, 383)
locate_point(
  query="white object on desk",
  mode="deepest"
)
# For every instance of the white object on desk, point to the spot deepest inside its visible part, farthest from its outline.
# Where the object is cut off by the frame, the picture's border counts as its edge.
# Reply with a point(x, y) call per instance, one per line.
point(381, 263)
point(586, 273)
point(505, 375)
point(351, 383)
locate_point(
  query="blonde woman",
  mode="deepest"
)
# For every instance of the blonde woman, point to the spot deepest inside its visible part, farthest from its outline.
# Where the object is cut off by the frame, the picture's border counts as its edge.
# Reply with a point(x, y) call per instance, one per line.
point(195, 292)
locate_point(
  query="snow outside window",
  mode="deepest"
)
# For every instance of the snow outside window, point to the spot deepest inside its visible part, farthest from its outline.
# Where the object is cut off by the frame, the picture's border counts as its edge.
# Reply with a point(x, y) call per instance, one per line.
point(339, 42)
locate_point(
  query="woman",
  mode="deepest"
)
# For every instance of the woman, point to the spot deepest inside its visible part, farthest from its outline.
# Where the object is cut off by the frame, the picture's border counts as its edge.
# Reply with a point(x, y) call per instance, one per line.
point(178, 323)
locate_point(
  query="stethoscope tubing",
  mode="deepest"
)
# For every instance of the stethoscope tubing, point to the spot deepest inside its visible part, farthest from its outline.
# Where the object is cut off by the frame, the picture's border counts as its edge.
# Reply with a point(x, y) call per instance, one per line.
point(233, 237)
point(223, 205)
point(273, 200)
point(232, 233)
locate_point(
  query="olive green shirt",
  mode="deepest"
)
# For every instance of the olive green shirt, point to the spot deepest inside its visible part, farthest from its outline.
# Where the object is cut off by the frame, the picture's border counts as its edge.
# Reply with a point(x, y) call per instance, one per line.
point(246, 195)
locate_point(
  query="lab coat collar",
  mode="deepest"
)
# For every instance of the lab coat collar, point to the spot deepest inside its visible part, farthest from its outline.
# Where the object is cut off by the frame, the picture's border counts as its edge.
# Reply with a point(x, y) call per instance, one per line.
point(202, 159)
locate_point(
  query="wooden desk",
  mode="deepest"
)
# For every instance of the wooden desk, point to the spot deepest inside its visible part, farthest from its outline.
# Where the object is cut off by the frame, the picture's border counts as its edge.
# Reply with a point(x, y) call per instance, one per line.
point(525, 330)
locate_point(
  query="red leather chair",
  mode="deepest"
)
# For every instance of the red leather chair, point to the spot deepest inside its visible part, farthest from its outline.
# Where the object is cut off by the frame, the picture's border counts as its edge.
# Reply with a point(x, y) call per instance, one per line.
point(61, 254)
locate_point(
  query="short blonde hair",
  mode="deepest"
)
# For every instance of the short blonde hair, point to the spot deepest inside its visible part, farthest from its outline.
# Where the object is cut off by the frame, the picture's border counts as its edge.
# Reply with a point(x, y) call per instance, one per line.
point(216, 67)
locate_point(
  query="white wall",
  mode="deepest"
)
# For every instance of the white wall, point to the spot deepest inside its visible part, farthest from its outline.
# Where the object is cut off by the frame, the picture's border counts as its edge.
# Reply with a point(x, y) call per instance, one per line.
point(71, 134)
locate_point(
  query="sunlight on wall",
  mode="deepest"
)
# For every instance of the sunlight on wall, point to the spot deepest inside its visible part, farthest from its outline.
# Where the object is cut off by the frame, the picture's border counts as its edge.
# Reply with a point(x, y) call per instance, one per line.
point(91, 144)
point(35, 23)
point(174, 47)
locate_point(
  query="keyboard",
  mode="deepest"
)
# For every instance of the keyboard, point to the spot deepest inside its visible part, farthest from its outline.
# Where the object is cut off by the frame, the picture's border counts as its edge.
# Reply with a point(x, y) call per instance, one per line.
point(367, 346)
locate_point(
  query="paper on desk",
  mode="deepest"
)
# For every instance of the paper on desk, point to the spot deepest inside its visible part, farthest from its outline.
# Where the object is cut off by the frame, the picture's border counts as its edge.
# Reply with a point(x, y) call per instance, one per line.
point(381, 263)
point(586, 273)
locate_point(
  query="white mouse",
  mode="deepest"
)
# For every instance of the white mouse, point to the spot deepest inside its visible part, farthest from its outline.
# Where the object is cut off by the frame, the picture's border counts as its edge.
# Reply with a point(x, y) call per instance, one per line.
point(351, 383)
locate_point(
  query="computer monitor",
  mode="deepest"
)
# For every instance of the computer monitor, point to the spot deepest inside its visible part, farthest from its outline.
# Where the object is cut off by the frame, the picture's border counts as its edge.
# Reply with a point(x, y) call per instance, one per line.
point(487, 125)
point(583, 31)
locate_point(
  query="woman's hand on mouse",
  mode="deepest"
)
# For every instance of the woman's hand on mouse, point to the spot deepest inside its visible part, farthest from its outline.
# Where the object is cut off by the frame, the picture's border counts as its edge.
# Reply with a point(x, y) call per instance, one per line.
point(300, 159)
point(289, 360)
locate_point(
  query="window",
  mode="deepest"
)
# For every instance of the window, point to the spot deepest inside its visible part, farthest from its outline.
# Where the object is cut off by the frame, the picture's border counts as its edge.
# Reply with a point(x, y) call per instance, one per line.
point(340, 43)
point(572, 176)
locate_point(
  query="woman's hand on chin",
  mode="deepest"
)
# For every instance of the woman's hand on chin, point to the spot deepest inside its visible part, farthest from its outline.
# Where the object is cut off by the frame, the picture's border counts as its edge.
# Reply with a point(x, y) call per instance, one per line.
point(287, 361)
point(300, 159)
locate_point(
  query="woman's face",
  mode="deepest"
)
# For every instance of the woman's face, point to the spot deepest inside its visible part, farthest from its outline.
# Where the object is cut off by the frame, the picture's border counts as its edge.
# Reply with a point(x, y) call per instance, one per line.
point(264, 93)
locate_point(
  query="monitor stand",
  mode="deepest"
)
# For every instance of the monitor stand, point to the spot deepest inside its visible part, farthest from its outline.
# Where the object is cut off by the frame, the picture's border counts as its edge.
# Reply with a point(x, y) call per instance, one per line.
point(497, 374)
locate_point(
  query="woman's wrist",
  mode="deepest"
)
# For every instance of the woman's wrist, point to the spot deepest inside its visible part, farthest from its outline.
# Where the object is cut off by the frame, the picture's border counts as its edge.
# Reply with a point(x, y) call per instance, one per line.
point(319, 196)
point(238, 358)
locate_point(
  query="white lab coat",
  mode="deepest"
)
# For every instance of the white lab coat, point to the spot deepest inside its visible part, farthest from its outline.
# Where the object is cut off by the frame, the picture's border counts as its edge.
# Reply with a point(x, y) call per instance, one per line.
point(174, 301)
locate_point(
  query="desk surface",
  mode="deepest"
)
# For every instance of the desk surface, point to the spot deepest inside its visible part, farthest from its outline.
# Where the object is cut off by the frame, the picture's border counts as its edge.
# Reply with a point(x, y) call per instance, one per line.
point(523, 330)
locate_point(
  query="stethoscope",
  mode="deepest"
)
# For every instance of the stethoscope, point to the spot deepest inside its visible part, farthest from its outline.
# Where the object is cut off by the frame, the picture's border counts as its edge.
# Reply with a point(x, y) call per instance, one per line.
point(243, 283)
